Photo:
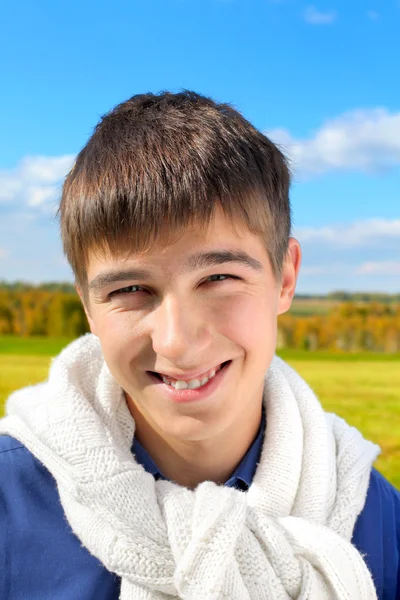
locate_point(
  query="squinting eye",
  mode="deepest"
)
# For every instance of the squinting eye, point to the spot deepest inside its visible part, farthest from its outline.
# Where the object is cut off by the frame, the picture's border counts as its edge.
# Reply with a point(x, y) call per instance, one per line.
point(224, 277)
point(126, 290)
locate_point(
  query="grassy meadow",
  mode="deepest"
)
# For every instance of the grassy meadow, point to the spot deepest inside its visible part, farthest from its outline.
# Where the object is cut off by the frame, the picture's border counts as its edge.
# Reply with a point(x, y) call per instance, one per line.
point(364, 389)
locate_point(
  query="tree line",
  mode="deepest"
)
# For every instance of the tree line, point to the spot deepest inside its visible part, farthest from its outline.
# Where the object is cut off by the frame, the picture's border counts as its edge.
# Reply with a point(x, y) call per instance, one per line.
point(359, 322)
point(348, 326)
point(40, 312)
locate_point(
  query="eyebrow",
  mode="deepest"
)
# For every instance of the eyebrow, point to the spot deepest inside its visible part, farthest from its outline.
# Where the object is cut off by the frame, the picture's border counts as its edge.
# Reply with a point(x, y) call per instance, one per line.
point(200, 260)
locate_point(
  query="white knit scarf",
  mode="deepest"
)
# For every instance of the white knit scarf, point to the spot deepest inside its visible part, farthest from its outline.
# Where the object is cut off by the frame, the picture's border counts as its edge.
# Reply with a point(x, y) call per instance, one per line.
point(287, 537)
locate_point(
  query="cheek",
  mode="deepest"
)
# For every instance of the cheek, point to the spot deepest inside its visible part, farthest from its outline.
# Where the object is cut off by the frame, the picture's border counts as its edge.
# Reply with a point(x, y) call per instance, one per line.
point(248, 320)
point(117, 325)
point(119, 336)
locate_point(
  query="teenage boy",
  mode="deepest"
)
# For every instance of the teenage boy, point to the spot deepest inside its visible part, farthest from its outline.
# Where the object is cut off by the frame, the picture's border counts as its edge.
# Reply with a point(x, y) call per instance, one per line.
point(171, 453)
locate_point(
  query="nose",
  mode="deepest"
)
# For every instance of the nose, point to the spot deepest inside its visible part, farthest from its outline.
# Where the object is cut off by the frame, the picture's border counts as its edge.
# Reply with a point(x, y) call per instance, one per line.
point(179, 332)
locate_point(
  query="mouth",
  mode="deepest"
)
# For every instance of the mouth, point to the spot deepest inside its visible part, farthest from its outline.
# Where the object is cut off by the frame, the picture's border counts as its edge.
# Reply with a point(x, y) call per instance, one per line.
point(196, 389)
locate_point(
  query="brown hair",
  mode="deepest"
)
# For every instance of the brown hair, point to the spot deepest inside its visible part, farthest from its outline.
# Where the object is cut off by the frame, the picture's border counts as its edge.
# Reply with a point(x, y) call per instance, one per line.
point(160, 162)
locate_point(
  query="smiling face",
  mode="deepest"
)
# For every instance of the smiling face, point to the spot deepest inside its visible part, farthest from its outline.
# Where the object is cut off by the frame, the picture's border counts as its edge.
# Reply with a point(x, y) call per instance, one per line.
point(183, 310)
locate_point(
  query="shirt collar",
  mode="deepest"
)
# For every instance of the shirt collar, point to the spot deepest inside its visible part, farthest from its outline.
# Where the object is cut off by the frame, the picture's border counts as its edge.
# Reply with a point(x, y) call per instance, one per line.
point(241, 478)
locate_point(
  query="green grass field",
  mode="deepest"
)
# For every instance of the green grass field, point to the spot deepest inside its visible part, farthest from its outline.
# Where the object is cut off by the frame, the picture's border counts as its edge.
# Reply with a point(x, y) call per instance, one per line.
point(363, 388)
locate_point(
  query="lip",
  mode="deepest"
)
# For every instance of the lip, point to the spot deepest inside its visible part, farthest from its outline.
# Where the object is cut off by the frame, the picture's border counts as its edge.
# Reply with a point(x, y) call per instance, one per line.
point(187, 396)
point(191, 374)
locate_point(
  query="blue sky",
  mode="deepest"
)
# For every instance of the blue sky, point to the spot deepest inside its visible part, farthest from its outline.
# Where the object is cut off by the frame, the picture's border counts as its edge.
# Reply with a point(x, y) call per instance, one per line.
point(319, 78)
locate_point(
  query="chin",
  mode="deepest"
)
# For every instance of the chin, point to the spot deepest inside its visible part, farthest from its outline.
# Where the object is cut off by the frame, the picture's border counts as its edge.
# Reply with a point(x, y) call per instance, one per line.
point(196, 428)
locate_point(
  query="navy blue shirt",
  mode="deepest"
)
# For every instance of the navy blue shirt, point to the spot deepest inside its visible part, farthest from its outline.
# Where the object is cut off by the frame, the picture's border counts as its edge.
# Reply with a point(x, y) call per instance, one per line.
point(42, 559)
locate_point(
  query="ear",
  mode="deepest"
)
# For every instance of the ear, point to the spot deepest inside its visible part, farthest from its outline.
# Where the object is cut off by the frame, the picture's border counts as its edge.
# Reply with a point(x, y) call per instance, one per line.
point(85, 303)
point(290, 273)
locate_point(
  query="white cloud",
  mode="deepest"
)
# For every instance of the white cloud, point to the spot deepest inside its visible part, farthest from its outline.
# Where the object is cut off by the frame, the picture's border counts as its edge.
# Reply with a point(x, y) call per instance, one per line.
point(362, 255)
point(353, 276)
point(385, 267)
point(317, 270)
point(3, 253)
point(35, 181)
point(361, 140)
point(16, 223)
point(368, 232)
point(317, 17)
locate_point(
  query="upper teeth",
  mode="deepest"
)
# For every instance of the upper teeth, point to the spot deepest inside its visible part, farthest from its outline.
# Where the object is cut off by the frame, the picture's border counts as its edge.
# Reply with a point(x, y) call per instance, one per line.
point(192, 384)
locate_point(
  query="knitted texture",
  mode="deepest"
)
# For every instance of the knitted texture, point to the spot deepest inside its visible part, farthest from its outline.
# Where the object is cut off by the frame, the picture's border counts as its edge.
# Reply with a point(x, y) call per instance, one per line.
point(287, 537)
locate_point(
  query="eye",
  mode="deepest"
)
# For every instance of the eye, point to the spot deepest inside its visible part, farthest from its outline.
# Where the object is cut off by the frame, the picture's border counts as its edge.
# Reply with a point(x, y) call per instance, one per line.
point(224, 277)
point(127, 290)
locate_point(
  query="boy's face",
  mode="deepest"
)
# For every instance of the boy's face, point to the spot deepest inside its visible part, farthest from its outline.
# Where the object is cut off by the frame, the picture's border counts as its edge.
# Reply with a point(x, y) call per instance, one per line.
point(182, 317)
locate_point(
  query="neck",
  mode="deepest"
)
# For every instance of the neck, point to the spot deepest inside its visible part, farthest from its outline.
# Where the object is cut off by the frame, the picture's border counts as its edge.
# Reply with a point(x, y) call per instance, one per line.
point(189, 463)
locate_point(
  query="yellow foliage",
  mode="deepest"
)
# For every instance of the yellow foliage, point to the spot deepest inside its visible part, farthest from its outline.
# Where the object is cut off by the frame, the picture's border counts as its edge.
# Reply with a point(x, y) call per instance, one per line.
point(41, 312)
